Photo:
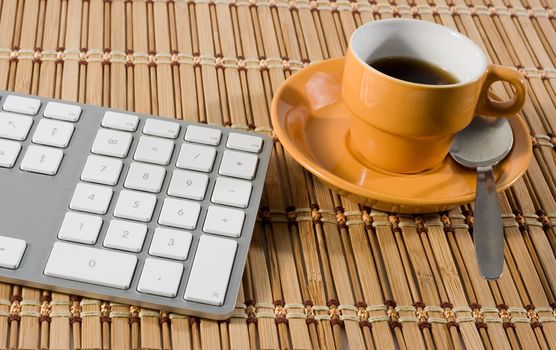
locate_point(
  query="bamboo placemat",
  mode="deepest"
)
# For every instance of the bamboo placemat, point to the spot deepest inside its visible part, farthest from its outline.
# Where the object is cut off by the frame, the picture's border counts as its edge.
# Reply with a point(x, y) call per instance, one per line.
point(323, 272)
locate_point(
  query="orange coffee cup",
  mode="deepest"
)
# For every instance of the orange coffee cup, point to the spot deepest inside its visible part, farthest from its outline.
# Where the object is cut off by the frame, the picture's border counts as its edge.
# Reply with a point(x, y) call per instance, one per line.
point(406, 127)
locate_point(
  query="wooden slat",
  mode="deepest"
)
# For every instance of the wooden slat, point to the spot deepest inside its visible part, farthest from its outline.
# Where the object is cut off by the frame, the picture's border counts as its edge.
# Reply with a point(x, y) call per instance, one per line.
point(142, 91)
point(166, 98)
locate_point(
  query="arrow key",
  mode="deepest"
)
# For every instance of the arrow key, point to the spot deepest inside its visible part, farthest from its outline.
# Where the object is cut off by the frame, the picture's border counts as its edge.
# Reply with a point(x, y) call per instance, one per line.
point(53, 133)
point(160, 277)
point(11, 252)
point(9, 150)
point(14, 126)
point(43, 160)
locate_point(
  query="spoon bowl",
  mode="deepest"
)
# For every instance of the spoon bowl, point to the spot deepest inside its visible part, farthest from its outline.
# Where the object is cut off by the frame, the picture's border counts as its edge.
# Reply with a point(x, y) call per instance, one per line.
point(481, 145)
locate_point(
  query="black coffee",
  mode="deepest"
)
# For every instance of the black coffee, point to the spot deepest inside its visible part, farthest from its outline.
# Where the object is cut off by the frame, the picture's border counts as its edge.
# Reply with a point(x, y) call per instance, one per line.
point(413, 70)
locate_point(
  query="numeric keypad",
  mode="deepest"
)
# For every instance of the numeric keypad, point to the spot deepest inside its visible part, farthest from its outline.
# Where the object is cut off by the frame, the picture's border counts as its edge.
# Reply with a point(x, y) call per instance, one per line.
point(171, 210)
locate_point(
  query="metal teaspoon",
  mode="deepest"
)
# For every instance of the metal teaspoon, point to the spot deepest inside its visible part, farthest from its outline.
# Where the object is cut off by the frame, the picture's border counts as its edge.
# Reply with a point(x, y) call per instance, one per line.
point(482, 145)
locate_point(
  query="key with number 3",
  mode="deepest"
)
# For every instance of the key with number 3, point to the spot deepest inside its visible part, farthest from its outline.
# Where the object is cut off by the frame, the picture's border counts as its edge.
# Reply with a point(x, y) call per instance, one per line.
point(172, 244)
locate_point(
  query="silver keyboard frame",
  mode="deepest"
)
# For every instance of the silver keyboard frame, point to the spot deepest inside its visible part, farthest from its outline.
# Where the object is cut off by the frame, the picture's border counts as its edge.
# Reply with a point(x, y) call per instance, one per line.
point(32, 208)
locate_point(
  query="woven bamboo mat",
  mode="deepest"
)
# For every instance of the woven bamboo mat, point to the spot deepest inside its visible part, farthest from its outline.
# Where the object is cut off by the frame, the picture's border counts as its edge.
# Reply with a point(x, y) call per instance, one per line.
point(323, 272)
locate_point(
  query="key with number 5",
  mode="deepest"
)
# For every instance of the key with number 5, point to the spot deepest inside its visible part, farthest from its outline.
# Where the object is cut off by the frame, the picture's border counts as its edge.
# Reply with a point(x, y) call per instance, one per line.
point(135, 206)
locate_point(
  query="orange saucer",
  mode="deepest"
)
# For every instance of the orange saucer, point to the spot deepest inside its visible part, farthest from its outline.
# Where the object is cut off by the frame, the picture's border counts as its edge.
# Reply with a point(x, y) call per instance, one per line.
point(312, 123)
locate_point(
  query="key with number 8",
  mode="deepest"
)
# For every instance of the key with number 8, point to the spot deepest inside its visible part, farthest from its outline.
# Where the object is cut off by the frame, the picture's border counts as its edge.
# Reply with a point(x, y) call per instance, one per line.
point(145, 177)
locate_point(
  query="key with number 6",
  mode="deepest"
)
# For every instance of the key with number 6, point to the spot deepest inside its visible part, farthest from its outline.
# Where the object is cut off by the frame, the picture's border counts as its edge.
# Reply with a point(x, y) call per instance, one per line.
point(179, 213)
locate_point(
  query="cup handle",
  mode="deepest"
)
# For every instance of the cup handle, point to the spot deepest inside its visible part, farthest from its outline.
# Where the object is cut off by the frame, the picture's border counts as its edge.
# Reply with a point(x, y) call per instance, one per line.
point(489, 107)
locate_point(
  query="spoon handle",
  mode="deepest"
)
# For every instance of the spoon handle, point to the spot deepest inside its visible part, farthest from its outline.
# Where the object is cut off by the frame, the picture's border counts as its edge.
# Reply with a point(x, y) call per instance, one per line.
point(488, 233)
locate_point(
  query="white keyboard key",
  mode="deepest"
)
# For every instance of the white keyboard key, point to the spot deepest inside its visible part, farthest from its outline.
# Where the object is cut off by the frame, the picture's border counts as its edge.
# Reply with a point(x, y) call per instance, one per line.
point(161, 128)
point(102, 170)
point(91, 198)
point(112, 143)
point(53, 133)
point(188, 184)
point(121, 121)
point(224, 221)
point(14, 127)
point(195, 157)
point(242, 142)
point(179, 213)
point(160, 277)
point(80, 228)
point(200, 134)
point(238, 164)
point(145, 177)
point(125, 235)
point(154, 150)
point(62, 111)
point(9, 150)
point(214, 257)
point(172, 244)
point(135, 206)
point(91, 265)
point(233, 192)
point(44, 160)
point(23, 105)
point(11, 252)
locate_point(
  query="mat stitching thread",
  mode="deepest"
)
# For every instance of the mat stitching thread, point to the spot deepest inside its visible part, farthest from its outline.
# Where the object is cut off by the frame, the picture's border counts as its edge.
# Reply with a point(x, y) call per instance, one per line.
point(509, 220)
point(162, 58)
point(507, 315)
point(148, 313)
point(177, 316)
point(29, 314)
point(346, 6)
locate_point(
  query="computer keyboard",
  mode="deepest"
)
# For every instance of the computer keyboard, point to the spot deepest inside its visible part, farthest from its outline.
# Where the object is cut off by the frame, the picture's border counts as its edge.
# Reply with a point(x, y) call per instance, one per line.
point(126, 207)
